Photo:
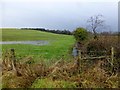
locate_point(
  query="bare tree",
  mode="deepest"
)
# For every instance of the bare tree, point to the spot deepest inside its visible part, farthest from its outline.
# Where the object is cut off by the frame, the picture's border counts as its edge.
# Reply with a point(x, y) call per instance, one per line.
point(95, 22)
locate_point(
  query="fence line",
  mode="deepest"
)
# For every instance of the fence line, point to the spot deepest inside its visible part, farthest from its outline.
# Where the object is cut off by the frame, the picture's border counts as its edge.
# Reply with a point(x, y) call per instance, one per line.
point(97, 57)
point(109, 59)
point(80, 54)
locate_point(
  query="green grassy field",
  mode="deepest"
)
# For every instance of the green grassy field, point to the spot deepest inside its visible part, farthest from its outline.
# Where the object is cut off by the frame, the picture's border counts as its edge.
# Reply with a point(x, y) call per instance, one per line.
point(58, 47)
point(50, 74)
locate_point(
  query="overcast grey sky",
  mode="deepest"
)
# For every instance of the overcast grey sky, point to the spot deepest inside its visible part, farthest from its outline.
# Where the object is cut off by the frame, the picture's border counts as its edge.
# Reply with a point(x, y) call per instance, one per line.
point(59, 14)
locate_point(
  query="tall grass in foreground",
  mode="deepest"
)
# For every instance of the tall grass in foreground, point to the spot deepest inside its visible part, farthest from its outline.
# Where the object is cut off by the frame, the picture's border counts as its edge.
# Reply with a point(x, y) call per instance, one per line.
point(61, 74)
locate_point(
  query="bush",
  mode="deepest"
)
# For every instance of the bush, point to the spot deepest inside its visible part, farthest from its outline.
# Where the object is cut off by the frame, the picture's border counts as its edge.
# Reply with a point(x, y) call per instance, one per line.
point(104, 43)
point(80, 34)
point(97, 46)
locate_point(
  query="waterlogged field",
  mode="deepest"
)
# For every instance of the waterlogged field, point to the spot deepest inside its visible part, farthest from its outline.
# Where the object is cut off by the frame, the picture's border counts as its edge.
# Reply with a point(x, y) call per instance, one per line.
point(58, 47)
point(45, 73)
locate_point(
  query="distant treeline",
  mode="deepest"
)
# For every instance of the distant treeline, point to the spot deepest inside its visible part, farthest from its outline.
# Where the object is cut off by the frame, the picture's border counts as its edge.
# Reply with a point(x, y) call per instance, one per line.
point(67, 32)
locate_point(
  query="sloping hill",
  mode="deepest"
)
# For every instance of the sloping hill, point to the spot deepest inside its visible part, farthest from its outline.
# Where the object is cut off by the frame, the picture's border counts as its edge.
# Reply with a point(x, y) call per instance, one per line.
point(20, 35)
point(59, 45)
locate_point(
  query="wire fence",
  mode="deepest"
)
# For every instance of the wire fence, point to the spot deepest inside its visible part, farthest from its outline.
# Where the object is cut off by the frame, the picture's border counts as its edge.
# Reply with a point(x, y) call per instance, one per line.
point(96, 54)
point(108, 59)
point(82, 54)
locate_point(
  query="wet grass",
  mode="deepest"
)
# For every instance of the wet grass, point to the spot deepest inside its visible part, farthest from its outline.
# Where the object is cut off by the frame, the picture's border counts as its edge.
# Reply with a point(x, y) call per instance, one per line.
point(23, 35)
point(60, 75)
point(58, 47)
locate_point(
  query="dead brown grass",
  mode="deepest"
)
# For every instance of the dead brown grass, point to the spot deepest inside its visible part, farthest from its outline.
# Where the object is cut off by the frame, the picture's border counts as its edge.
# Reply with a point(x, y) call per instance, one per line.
point(22, 75)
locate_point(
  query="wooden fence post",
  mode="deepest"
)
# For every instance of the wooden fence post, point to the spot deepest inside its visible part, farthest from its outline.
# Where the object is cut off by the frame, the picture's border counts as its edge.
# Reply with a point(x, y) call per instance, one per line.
point(13, 60)
point(79, 54)
point(112, 55)
point(79, 60)
point(112, 59)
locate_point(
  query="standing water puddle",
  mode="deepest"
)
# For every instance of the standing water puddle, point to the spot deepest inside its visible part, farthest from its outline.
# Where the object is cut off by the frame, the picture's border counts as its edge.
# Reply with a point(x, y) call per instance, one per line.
point(26, 42)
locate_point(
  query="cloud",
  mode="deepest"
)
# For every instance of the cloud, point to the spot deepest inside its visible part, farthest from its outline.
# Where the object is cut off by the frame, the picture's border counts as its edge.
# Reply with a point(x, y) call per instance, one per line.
point(55, 15)
point(60, 0)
